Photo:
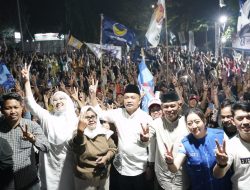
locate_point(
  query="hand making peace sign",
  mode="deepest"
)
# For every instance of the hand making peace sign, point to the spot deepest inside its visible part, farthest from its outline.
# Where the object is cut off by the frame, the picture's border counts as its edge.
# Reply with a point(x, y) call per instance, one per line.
point(221, 155)
point(144, 135)
point(26, 72)
point(169, 158)
point(93, 88)
point(27, 135)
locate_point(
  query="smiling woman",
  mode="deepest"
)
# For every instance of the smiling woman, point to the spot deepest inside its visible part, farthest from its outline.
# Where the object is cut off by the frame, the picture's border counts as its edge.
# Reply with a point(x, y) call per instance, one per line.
point(94, 150)
point(197, 151)
point(56, 170)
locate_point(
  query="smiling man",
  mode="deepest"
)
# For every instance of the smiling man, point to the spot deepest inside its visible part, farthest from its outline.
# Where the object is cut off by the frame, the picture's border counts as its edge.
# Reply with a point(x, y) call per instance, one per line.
point(133, 136)
point(236, 152)
point(21, 135)
point(168, 131)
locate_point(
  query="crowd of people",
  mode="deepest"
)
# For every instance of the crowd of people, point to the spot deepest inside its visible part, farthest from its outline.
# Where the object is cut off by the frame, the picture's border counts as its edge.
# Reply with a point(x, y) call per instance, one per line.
point(74, 122)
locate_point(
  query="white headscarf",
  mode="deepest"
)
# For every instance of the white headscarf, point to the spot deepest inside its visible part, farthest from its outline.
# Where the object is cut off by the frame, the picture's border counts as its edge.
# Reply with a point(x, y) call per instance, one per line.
point(63, 122)
point(99, 130)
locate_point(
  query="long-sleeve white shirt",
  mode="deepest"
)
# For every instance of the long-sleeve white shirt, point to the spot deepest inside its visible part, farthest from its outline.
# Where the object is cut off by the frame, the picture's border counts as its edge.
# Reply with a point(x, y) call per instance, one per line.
point(131, 159)
point(171, 136)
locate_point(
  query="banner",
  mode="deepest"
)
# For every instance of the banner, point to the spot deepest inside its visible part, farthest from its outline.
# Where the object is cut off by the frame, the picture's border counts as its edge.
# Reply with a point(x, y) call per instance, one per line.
point(74, 42)
point(182, 37)
point(146, 84)
point(243, 17)
point(156, 22)
point(97, 49)
point(116, 33)
point(191, 45)
point(241, 42)
point(6, 79)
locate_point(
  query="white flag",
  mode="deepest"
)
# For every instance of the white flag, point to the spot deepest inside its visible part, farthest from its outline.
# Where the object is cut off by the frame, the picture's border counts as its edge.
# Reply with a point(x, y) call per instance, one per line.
point(222, 3)
point(182, 37)
point(191, 45)
point(97, 49)
point(155, 26)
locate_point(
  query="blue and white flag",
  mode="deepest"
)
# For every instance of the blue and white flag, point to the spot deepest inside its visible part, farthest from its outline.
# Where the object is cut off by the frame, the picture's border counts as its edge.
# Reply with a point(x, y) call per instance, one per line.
point(116, 33)
point(6, 79)
point(146, 84)
point(98, 50)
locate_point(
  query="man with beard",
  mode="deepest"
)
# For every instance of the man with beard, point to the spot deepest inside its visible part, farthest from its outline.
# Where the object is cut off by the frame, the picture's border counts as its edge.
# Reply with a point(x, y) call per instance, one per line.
point(227, 118)
point(236, 152)
point(168, 131)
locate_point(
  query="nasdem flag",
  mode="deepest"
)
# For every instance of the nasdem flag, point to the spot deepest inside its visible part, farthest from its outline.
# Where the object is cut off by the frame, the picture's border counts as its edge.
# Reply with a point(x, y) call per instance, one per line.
point(116, 33)
point(146, 84)
point(6, 79)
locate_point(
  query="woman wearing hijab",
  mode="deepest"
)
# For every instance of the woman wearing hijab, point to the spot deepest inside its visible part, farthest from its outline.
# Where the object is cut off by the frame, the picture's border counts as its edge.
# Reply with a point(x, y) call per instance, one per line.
point(93, 150)
point(198, 153)
point(56, 166)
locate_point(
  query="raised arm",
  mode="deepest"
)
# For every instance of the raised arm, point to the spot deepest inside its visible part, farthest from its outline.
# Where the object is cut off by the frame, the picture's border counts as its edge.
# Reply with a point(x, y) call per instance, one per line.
point(35, 108)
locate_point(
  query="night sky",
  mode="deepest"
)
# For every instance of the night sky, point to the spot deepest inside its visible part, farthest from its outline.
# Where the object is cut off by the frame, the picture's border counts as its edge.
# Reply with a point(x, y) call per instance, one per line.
point(81, 17)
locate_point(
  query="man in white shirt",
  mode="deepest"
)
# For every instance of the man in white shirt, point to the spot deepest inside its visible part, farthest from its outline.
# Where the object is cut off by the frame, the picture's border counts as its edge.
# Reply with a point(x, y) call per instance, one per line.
point(133, 136)
point(237, 150)
point(168, 131)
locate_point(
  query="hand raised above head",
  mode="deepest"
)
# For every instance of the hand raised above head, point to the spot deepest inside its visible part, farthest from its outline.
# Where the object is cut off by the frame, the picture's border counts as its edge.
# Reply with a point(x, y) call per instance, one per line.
point(93, 87)
point(26, 72)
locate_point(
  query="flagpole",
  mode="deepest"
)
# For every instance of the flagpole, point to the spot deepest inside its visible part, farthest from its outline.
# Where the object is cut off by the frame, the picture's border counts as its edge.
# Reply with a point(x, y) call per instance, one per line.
point(20, 24)
point(166, 28)
point(101, 43)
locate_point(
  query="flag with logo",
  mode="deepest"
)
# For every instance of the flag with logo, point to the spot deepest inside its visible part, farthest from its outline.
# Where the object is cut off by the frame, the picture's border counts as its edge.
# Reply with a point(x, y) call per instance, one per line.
point(75, 42)
point(146, 84)
point(6, 79)
point(116, 33)
point(98, 50)
point(154, 30)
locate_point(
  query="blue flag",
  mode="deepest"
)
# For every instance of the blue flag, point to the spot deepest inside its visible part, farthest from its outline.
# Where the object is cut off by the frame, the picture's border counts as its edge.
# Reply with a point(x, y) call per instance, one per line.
point(146, 84)
point(116, 33)
point(6, 79)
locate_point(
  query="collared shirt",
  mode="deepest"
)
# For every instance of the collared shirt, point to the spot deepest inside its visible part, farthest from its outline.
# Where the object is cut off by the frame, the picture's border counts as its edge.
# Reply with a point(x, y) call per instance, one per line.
point(131, 159)
point(24, 168)
point(170, 134)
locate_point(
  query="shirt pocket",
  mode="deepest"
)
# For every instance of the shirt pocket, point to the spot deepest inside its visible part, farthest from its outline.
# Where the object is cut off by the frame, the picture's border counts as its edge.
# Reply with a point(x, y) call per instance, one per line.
point(25, 144)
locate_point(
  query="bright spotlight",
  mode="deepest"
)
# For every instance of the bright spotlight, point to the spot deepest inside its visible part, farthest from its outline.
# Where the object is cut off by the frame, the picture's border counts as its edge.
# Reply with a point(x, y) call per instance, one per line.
point(223, 39)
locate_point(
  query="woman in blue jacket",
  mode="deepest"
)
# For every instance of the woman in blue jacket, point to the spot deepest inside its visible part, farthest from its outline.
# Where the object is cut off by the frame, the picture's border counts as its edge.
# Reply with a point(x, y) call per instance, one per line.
point(197, 151)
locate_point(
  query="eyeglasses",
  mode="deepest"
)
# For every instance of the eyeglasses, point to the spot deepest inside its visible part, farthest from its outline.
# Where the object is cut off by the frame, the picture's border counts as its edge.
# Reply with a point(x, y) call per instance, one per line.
point(93, 117)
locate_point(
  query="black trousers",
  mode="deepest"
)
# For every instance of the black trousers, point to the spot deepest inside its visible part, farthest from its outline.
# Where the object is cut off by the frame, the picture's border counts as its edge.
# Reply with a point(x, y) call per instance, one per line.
point(132, 182)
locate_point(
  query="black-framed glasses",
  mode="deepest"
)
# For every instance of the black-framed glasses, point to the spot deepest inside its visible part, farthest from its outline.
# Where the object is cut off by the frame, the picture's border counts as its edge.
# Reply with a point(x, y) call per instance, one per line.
point(93, 117)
